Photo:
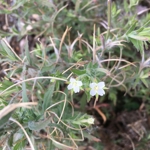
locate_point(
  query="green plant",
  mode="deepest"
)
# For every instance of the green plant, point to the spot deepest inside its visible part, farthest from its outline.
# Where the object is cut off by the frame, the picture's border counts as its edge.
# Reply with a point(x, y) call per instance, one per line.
point(71, 39)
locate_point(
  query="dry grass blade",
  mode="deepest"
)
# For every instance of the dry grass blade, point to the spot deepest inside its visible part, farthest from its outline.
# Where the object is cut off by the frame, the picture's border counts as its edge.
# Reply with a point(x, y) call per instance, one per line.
point(70, 51)
point(118, 60)
point(101, 114)
point(62, 39)
point(93, 7)
point(94, 41)
point(30, 79)
point(12, 107)
point(86, 5)
point(55, 50)
point(62, 146)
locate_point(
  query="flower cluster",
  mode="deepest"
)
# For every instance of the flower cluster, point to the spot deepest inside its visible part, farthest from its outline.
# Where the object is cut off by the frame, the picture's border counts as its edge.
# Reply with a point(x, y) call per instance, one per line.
point(96, 88)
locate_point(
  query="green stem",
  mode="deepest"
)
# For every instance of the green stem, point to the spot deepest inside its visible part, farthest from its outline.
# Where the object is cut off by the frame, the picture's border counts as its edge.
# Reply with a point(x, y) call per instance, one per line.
point(96, 99)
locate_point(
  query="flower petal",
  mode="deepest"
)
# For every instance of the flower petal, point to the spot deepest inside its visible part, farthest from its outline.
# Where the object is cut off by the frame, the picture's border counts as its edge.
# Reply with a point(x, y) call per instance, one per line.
point(92, 85)
point(101, 85)
point(70, 86)
point(92, 92)
point(101, 92)
point(79, 83)
point(72, 79)
point(76, 89)
point(75, 85)
point(90, 120)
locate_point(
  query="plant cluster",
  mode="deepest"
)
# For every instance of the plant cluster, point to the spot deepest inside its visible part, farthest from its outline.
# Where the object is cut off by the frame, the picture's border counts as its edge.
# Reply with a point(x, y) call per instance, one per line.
point(71, 52)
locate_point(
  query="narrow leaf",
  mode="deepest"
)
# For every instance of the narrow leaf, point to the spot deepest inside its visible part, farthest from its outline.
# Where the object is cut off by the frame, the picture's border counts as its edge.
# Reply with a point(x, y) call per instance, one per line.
point(4, 120)
point(47, 97)
point(37, 126)
point(78, 72)
point(5, 48)
point(27, 52)
point(24, 92)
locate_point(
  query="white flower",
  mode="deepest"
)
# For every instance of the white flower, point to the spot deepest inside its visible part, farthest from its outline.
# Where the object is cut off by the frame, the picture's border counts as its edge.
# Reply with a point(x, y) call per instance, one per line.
point(97, 88)
point(90, 121)
point(75, 85)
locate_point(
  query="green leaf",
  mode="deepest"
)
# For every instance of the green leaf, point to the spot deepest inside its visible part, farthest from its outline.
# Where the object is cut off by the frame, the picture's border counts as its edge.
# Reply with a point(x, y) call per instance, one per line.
point(115, 12)
point(141, 34)
point(50, 68)
point(132, 27)
point(46, 3)
point(5, 48)
point(125, 4)
point(92, 66)
point(139, 37)
point(83, 101)
point(46, 18)
point(138, 44)
point(144, 82)
point(91, 69)
point(82, 120)
point(145, 32)
point(102, 70)
point(24, 92)
point(4, 120)
point(133, 3)
point(37, 126)
point(5, 85)
point(113, 96)
point(27, 52)
point(47, 97)
point(143, 76)
point(20, 144)
point(10, 140)
point(78, 72)
point(60, 145)
point(90, 137)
